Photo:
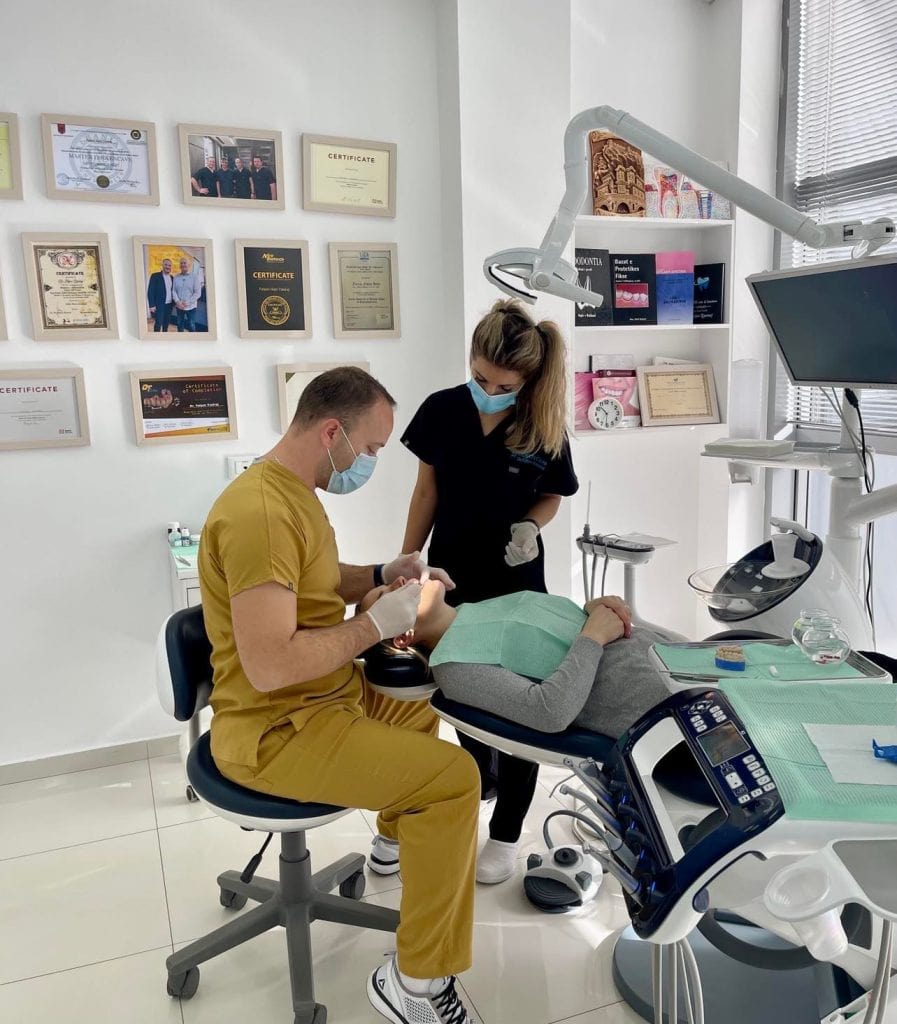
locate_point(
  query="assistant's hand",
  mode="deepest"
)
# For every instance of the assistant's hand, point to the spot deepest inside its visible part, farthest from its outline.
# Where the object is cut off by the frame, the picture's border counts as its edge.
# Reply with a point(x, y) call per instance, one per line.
point(524, 545)
point(395, 612)
point(412, 566)
point(616, 605)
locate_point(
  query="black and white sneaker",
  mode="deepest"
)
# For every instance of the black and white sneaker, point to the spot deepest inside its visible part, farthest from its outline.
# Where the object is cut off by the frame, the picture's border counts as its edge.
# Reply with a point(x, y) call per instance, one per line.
point(384, 856)
point(389, 997)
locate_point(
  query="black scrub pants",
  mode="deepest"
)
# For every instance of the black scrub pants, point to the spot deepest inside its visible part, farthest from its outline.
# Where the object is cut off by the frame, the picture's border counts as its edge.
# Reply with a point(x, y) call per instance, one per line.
point(511, 780)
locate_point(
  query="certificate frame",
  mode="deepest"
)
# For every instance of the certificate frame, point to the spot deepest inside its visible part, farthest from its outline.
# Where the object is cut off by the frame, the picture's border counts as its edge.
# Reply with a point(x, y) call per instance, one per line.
point(341, 251)
point(276, 311)
point(14, 156)
point(74, 375)
point(322, 196)
point(57, 172)
point(4, 333)
point(146, 380)
point(221, 139)
point(287, 397)
point(143, 262)
point(44, 325)
point(658, 410)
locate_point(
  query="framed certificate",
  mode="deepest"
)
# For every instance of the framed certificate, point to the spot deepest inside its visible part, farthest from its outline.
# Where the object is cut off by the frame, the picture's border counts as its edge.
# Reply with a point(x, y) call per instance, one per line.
point(272, 286)
point(292, 380)
point(10, 161)
point(231, 167)
point(175, 283)
point(348, 175)
point(43, 408)
point(364, 284)
point(4, 335)
point(678, 394)
point(70, 286)
point(175, 406)
point(100, 159)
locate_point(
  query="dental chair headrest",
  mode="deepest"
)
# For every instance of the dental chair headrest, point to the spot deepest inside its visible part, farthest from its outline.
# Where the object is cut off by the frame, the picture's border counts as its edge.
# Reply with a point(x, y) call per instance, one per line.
point(387, 665)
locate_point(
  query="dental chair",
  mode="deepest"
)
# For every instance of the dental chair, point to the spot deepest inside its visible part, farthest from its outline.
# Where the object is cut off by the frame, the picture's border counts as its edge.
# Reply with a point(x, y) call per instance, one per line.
point(184, 680)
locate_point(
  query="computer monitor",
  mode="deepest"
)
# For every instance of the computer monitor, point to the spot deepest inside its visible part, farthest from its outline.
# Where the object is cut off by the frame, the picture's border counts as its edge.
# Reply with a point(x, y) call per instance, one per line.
point(834, 324)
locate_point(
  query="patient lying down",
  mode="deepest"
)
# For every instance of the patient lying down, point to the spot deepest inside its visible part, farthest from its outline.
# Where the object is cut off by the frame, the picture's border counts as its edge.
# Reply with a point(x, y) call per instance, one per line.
point(539, 660)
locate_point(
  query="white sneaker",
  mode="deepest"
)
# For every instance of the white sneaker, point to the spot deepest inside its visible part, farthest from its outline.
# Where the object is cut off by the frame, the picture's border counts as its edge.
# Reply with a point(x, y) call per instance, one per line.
point(496, 862)
point(384, 856)
point(440, 1005)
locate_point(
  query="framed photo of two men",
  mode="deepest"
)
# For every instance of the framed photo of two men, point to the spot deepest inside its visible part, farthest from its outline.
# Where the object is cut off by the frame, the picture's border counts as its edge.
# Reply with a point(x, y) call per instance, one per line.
point(175, 284)
point(231, 167)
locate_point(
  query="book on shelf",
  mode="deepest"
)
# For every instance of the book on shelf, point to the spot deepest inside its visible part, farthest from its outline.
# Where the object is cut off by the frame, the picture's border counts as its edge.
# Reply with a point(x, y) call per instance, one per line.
point(709, 288)
point(634, 288)
point(675, 287)
point(593, 268)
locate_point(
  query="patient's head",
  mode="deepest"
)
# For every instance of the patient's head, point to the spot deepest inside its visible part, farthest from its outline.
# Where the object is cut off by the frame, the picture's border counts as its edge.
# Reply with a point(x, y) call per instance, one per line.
point(433, 615)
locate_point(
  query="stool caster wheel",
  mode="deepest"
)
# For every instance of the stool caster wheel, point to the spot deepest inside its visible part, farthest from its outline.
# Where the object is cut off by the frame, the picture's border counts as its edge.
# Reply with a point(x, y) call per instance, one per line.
point(353, 887)
point(190, 794)
point(231, 900)
point(319, 1017)
point(184, 985)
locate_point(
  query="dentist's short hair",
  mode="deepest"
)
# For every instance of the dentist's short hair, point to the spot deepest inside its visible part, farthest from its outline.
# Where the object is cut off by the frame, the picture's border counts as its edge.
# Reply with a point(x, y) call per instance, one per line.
point(344, 393)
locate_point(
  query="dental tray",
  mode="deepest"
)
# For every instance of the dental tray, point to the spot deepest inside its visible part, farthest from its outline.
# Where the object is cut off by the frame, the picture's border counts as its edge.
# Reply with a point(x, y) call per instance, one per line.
point(695, 663)
point(746, 448)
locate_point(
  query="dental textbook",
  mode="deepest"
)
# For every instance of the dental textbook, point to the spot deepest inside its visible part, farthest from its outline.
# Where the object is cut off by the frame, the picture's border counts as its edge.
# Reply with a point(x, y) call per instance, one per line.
point(593, 268)
point(634, 288)
point(675, 287)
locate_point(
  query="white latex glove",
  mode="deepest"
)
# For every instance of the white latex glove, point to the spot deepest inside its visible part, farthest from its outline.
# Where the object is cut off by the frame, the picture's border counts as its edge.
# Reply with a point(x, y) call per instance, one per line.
point(524, 545)
point(412, 566)
point(395, 612)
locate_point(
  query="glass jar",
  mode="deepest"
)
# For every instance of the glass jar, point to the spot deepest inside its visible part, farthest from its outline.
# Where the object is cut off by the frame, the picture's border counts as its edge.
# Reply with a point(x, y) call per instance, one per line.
point(807, 618)
point(824, 641)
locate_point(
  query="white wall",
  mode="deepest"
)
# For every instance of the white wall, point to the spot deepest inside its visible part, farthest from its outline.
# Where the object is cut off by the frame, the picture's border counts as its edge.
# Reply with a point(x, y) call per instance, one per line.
point(85, 577)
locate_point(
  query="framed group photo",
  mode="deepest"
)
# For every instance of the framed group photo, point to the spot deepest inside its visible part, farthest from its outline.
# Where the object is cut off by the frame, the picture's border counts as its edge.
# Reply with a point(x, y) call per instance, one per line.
point(10, 159)
point(100, 159)
point(172, 406)
point(294, 378)
point(348, 175)
point(43, 408)
point(364, 285)
point(70, 286)
point(231, 167)
point(175, 283)
point(272, 288)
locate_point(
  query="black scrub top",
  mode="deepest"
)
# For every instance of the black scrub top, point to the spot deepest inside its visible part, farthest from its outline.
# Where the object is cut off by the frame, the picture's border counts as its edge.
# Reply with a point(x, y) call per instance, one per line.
point(482, 489)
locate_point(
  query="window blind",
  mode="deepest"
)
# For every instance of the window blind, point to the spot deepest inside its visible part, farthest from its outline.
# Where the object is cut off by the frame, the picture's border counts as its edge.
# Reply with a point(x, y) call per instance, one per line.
point(839, 158)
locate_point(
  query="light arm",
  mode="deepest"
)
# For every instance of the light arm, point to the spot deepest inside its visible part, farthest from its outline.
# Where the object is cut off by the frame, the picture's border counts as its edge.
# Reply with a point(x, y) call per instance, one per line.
point(543, 269)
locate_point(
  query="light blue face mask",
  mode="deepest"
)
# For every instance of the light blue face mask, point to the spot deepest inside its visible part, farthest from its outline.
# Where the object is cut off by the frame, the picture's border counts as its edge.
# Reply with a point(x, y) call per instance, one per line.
point(344, 481)
point(490, 403)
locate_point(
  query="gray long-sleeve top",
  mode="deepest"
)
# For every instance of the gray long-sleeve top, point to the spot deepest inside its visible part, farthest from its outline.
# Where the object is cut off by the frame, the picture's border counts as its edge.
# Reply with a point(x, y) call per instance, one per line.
point(603, 689)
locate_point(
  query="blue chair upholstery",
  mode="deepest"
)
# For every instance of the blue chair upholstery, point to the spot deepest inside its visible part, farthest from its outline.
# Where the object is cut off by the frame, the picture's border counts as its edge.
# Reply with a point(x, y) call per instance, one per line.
point(572, 742)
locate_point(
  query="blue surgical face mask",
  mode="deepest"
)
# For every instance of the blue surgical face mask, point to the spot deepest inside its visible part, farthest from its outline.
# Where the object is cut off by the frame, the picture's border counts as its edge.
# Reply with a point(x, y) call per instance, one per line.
point(490, 403)
point(344, 481)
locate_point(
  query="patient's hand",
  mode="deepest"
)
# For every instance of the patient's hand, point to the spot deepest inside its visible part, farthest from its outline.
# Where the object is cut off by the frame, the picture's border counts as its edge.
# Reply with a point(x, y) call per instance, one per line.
point(603, 625)
point(616, 605)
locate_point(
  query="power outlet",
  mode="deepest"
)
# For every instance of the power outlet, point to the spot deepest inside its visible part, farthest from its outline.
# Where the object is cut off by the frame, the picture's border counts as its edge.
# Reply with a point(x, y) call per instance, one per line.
point(236, 464)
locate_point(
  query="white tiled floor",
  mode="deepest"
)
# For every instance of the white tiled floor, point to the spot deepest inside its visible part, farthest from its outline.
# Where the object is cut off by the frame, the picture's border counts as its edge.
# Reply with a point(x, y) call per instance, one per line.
point(104, 872)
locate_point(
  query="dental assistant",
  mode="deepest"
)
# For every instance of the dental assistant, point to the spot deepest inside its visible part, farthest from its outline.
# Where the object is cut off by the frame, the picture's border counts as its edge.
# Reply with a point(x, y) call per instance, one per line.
point(494, 463)
point(293, 715)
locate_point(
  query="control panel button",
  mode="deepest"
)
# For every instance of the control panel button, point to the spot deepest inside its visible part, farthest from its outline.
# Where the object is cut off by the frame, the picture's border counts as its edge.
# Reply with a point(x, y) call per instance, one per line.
point(769, 787)
point(743, 799)
point(756, 792)
point(700, 728)
point(733, 779)
point(750, 759)
point(763, 780)
point(757, 772)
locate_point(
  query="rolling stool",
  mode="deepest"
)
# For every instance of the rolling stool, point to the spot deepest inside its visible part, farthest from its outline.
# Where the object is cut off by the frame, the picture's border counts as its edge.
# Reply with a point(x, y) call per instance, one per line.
point(184, 678)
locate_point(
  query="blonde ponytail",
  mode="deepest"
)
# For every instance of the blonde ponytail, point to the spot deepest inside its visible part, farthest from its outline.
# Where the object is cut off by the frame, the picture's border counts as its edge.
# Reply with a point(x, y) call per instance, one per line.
point(508, 338)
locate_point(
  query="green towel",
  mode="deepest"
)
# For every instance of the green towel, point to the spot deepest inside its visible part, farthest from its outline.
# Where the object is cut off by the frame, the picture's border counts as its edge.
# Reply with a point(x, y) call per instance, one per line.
point(528, 633)
point(790, 662)
point(774, 716)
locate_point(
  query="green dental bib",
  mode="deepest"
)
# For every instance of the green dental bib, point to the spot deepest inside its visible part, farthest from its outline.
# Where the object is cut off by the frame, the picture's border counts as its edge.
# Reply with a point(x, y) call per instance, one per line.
point(527, 633)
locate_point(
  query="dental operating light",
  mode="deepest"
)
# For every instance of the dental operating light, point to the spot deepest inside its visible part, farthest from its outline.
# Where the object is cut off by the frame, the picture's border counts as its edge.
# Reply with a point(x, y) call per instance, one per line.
point(523, 273)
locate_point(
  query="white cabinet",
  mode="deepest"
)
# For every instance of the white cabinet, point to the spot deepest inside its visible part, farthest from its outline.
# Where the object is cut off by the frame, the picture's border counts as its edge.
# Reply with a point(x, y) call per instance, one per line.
point(184, 577)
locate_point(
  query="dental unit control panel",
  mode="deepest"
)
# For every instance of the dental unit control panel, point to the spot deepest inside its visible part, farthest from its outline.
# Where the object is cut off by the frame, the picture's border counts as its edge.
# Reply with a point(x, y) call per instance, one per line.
point(664, 873)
